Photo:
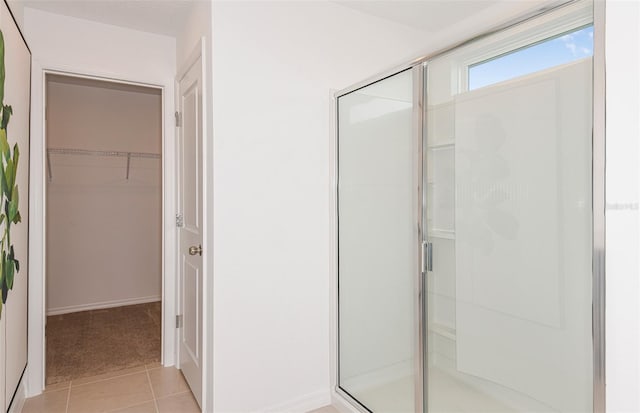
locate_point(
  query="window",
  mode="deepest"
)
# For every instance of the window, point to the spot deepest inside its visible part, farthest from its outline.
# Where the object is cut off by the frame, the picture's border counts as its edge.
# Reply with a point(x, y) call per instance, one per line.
point(548, 53)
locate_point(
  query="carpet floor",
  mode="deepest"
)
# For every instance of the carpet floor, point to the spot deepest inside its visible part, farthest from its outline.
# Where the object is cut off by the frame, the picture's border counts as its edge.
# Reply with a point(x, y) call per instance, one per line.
point(94, 342)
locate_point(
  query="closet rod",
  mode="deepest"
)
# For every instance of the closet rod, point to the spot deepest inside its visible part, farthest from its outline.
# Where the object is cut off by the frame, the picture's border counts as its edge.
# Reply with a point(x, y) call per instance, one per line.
point(128, 155)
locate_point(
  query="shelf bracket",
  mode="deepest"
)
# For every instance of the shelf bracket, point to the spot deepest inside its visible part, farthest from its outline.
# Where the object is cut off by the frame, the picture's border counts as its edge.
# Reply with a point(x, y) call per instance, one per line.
point(49, 166)
point(128, 163)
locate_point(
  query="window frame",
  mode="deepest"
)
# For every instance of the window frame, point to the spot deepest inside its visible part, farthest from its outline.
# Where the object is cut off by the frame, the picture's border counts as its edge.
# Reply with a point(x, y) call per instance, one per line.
point(569, 19)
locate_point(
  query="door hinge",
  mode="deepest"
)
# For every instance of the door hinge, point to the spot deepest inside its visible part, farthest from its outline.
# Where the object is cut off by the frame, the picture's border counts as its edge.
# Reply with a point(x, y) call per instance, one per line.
point(178, 119)
point(427, 257)
point(179, 221)
point(178, 321)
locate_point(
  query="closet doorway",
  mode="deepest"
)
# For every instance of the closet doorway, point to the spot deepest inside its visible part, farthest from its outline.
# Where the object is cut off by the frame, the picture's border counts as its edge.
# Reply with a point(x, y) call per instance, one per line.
point(103, 227)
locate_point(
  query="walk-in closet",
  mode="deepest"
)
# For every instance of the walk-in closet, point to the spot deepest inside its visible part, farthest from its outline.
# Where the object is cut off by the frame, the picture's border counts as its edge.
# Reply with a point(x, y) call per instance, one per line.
point(103, 227)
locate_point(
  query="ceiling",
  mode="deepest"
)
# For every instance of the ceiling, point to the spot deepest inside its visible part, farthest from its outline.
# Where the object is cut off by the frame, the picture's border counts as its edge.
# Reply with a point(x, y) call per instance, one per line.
point(167, 17)
point(430, 16)
point(164, 17)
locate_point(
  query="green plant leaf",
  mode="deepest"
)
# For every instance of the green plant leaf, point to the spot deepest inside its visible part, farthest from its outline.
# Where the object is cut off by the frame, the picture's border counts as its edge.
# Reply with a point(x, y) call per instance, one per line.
point(13, 209)
point(16, 158)
point(4, 144)
point(5, 290)
point(17, 218)
point(13, 205)
point(11, 179)
point(10, 272)
point(17, 263)
point(3, 182)
point(1, 67)
point(5, 287)
point(7, 111)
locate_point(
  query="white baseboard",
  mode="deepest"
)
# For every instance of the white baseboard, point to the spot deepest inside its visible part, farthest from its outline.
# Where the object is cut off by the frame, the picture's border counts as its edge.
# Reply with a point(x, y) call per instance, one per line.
point(101, 305)
point(302, 404)
point(18, 400)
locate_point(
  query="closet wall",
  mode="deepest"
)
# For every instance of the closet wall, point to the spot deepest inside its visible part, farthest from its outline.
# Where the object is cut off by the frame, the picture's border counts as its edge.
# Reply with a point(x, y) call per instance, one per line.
point(103, 229)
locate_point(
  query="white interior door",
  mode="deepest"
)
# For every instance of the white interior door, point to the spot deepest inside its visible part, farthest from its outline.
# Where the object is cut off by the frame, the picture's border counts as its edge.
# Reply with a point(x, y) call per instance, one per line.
point(190, 232)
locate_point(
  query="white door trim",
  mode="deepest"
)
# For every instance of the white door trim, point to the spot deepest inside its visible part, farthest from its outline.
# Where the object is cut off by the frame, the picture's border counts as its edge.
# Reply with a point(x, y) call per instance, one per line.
point(36, 374)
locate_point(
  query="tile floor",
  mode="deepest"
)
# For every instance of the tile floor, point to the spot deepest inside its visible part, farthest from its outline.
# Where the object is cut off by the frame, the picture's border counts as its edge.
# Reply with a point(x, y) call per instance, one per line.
point(145, 389)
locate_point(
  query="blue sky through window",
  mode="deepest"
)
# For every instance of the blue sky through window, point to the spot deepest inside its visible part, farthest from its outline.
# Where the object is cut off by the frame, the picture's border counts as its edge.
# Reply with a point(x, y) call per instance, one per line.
point(548, 53)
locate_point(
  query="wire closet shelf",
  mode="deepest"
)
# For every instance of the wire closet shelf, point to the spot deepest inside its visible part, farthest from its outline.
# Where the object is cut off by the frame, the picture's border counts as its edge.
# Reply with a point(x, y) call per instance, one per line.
point(84, 152)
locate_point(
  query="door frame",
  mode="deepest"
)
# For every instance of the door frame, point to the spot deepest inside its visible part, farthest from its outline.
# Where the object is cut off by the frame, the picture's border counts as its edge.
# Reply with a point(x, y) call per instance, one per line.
point(36, 372)
point(344, 401)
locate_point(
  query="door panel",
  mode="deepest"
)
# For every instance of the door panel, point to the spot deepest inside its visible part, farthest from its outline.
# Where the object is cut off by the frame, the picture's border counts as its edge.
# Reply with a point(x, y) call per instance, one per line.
point(191, 170)
point(509, 216)
point(191, 297)
point(524, 290)
point(190, 234)
point(378, 238)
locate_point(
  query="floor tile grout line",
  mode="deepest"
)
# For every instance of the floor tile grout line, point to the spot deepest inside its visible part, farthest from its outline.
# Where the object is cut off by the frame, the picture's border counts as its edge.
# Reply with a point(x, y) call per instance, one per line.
point(153, 397)
point(153, 393)
point(108, 378)
point(166, 396)
point(66, 409)
point(125, 375)
point(45, 390)
point(128, 406)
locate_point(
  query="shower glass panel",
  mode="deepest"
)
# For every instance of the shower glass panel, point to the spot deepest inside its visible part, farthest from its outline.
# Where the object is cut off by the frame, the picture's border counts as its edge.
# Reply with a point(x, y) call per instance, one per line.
point(509, 217)
point(378, 178)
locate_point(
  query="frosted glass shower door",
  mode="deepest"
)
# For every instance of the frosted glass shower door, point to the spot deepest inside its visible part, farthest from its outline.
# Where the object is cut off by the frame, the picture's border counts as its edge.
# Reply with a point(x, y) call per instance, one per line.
point(378, 174)
point(509, 189)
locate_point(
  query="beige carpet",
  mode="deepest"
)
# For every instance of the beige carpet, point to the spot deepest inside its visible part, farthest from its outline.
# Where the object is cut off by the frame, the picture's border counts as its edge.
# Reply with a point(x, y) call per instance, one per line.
point(94, 342)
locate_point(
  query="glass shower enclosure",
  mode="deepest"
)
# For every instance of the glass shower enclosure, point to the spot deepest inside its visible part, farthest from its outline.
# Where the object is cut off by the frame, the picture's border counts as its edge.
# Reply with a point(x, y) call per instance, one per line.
point(379, 207)
point(466, 277)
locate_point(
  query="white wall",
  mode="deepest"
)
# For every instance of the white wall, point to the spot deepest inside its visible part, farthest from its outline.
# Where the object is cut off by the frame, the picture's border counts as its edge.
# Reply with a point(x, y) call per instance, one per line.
point(79, 46)
point(275, 64)
point(103, 116)
point(196, 25)
point(622, 242)
point(103, 229)
point(17, 9)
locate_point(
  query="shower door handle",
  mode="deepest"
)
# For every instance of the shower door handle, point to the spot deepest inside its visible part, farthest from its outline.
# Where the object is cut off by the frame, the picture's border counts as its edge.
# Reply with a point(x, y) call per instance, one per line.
point(427, 256)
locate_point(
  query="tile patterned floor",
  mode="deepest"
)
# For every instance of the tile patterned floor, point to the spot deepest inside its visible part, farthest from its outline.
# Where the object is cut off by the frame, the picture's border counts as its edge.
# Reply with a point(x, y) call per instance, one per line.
point(144, 389)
